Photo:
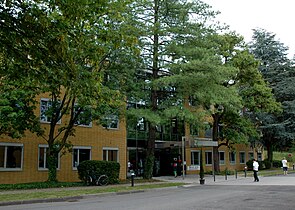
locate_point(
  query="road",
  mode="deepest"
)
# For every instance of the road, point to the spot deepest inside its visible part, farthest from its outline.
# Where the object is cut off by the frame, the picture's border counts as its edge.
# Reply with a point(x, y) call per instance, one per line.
point(229, 197)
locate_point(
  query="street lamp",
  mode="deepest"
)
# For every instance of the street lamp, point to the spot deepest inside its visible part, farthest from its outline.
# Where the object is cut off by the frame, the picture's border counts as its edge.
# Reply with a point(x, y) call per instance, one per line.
point(182, 147)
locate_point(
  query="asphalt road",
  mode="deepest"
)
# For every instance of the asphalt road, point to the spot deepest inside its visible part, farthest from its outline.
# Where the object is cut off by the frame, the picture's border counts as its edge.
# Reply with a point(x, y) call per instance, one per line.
point(229, 197)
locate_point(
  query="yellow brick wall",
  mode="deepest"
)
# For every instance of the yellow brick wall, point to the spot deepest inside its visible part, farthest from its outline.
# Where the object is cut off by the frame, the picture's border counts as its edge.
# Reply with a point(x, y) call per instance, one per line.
point(96, 136)
point(238, 166)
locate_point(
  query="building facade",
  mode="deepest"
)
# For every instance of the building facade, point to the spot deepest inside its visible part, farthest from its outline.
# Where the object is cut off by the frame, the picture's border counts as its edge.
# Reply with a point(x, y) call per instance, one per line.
point(24, 160)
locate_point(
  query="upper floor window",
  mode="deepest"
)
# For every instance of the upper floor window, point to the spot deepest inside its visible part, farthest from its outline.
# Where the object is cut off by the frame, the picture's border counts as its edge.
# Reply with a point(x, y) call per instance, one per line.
point(84, 118)
point(80, 154)
point(43, 157)
point(11, 156)
point(110, 122)
point(46, 110)
point(110, 154)
point(194, 130)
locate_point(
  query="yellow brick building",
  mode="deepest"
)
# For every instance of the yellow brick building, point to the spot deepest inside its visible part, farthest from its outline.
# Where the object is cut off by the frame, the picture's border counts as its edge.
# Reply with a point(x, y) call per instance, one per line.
point(24, 160)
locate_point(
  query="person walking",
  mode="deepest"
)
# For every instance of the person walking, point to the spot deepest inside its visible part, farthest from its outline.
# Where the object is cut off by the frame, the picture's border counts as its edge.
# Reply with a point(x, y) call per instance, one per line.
point(174, 166)
point(285, 166)
point(255, 170)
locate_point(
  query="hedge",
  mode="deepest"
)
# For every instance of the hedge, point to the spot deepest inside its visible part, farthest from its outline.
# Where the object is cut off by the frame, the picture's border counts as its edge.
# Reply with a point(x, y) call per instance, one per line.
point(99, 167)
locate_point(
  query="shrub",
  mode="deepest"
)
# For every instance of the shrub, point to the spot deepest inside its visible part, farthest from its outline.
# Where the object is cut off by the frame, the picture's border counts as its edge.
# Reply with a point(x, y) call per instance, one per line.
point(98, 167)
point(267, 164)
point(249, 165)
point(277, 163)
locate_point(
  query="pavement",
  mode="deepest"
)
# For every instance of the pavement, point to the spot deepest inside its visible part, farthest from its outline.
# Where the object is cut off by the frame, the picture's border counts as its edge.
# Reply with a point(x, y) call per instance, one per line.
point(232, 180)
point(187, 180)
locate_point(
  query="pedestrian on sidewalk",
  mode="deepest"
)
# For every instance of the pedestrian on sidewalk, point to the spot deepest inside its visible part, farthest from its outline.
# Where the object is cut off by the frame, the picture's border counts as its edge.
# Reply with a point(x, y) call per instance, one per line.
point(174, 165)
point(285, 166)
point(255, 170)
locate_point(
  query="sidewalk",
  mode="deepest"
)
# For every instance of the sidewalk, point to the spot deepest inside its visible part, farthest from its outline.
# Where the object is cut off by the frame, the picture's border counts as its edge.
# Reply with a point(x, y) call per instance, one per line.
point(188, 181)
point(232, 180)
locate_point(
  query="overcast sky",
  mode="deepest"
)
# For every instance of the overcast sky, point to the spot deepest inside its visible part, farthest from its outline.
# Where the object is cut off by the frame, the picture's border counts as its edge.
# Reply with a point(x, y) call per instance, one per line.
point(272, 15)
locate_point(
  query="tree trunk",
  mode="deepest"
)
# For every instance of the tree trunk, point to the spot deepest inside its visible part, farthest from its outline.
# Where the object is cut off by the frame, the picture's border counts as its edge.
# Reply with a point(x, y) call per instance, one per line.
point(150, 155)
point(52, 163)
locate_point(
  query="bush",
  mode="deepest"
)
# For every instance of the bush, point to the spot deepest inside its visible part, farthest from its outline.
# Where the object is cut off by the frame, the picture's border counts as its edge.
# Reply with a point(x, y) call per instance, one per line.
point(98, 167)
point(267, 164)
point(277, 163)
point(249, 164)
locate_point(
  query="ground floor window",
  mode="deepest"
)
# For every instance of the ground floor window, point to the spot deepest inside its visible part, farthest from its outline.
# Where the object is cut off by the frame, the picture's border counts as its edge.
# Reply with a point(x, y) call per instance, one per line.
point(111, 154)
point(221, 158)
point(80, 154)
point(42, 158)
point(11, 156)
point(208, 156)
point(232, 157)
point(259, 156)
point(195, 158)
point(242, 157)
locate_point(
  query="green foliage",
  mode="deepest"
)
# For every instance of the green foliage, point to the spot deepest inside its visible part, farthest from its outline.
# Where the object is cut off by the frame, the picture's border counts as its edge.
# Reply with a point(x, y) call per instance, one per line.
point(148, 168)
point(278, 70)
point(277, 163)
point(249, 164)
point(109, 168)
point(70, 51)
point(267, 164)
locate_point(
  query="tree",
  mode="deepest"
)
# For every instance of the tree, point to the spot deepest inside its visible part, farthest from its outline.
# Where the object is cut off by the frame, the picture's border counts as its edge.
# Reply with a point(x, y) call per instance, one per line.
point(229, 126)
point(65, 49)
point(162, 24)
point(278, 70)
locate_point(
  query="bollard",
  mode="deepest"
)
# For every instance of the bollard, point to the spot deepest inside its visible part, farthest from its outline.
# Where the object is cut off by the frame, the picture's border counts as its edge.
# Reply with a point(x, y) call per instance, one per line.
point(225, 174)
point(245, 170)
point(293, 167)
point(236, 172)
point(132, 179)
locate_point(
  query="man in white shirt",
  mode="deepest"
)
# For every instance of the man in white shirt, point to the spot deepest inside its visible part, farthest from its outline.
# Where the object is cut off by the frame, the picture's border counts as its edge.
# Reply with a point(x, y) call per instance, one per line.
point(255, 170)
point(285, 166)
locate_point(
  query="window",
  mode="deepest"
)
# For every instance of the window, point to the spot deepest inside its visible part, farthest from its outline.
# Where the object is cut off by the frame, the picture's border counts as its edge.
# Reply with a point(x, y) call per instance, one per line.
point(242, 157)
point(141, 124)
point(45, 108)
point(208, 157)
point(110, 154)
point(259, 156)
point(42, 158)
point(194, 130)
point(221, 158)
point(195, 158)
point(11, 156)
point(80, 154)
point(208, 133)
point(251, 155)
point(110, 122)
point(232, 157)
point(84, 118)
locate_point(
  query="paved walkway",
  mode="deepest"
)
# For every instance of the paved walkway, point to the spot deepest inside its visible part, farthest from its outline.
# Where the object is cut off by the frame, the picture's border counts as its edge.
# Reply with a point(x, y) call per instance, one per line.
point(233, 180)
point(188, 180)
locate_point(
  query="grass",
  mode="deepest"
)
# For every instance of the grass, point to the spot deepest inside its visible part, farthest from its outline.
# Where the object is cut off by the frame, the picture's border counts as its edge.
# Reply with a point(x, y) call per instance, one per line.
point(21, 195)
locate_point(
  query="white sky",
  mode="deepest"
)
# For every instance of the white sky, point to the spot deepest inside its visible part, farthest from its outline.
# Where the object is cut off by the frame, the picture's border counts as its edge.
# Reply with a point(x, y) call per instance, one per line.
point(272, 15)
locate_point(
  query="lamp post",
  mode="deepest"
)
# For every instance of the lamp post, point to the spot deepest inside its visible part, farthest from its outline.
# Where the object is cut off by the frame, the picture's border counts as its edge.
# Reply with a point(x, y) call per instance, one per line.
point(183, 150)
